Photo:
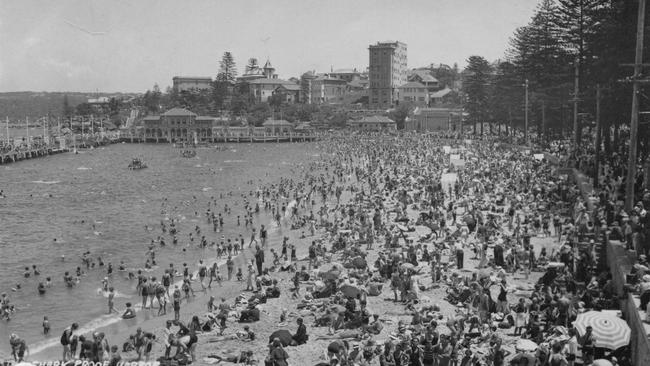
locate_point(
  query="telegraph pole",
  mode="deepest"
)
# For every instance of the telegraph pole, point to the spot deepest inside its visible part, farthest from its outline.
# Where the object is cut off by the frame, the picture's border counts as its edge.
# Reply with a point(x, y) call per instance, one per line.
point(576, 91)
point(526, 114)
point(598, 137)
point(634, 123)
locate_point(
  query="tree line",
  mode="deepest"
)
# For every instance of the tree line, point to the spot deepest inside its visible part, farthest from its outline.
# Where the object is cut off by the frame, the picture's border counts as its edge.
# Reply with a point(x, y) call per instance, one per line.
point(566, 40)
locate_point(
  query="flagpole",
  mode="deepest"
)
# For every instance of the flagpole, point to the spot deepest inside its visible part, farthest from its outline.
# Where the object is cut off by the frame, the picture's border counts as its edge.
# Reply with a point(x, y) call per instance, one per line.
point(27, 121)
point(7, 124)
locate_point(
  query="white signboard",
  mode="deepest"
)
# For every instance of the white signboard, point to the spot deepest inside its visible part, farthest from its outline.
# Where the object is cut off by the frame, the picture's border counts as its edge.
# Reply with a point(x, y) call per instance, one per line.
point(454, 157)
point(538, 156)
point(459, 163)
point(448, 180)
point(446, 149)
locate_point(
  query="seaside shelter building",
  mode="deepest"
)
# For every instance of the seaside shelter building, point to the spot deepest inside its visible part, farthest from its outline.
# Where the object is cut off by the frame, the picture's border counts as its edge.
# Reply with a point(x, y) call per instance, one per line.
point(277, 127)
point(178, 125)
point(433, 119)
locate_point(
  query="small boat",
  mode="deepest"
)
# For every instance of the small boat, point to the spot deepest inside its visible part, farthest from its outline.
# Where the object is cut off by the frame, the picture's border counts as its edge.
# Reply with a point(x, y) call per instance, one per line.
point(137, 164)
point(188, 153)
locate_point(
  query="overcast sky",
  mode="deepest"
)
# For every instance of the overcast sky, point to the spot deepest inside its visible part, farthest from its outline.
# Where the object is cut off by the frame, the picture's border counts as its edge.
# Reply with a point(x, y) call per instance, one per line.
point(128, 45)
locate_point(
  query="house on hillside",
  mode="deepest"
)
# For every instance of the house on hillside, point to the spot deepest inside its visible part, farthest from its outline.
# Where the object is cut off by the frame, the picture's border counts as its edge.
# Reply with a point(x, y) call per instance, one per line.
point(414, 93)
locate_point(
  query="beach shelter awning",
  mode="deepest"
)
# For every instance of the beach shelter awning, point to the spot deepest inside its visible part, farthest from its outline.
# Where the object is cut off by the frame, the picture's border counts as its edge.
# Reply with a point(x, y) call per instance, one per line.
point(609, 331)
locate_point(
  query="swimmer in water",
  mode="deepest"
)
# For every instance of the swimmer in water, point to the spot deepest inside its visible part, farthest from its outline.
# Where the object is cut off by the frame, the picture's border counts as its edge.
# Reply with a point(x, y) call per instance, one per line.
point(111, 304)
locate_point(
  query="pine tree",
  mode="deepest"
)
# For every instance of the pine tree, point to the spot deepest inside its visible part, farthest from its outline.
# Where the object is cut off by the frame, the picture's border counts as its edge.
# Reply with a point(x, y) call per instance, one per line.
point(222, 86)
point(227, 69)
point(475, 87)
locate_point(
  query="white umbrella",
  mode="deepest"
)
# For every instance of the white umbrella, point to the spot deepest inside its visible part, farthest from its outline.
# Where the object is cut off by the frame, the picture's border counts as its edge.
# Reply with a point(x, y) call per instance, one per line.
point(526, 345)
point(609, 331)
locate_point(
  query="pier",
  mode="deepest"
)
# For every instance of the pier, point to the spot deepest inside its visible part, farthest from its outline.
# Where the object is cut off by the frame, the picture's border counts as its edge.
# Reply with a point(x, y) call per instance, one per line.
point(87, 141)
point(16, 156)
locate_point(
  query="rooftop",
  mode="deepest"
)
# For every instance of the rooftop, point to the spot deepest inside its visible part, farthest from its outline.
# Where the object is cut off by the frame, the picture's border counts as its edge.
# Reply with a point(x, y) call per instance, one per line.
point(270, 81)
point(345, 71)
point(388, 44)
point(292, 87)
point(412, 84)
point(441, 93)
point(178, 112)
point(375, 119)
point(435, 111)
point(276, 122)
point(423, 75)
point(206, 78)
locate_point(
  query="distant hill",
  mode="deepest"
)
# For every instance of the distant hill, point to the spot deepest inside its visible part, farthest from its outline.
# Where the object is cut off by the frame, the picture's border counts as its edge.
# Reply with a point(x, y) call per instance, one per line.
point(18, 105)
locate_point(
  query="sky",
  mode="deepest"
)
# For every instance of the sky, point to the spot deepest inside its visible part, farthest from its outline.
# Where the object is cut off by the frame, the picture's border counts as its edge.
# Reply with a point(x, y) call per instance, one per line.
point(130, 45)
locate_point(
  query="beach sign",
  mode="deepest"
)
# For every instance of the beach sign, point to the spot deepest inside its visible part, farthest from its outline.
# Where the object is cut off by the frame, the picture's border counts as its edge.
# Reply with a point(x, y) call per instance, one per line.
point(459, 163)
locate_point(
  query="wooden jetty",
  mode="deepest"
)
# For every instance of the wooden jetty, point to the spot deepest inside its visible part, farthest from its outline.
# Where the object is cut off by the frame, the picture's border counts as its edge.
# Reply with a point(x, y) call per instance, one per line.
point(16, 156)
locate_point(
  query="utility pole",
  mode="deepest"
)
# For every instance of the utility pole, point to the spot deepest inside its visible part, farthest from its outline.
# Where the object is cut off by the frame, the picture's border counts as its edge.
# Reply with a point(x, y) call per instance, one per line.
point(598, 137)
point(576, 91)
point(634, 123)
point(542, 131)
point(526, 114)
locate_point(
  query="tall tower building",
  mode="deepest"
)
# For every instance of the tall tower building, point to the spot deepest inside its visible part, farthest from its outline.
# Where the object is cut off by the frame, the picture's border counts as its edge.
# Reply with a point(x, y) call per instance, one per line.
point(387, 71)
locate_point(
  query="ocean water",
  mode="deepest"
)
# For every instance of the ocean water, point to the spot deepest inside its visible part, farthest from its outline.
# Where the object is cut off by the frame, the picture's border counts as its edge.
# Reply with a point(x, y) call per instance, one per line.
point(91, 202)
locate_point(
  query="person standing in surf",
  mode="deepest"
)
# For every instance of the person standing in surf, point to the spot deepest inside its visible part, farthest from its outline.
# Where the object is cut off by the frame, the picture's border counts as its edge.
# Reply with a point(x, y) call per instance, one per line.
point(111, 304)
point(66, 338)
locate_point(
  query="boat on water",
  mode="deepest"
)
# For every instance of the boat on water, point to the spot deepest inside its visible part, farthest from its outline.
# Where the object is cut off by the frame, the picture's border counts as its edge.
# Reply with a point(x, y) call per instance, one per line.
point(137, 164)
point(188, 153)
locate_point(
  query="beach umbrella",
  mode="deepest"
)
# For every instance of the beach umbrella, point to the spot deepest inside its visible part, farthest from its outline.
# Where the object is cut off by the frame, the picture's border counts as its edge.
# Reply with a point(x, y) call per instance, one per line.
point(407, 266)
point(609, 331)
point(350, 290)
point(601, 362)
point(526, 345)
point(284, 336)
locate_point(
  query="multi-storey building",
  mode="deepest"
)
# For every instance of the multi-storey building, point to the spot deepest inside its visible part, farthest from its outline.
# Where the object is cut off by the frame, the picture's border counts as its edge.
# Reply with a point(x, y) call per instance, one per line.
point(181, 83)
point(387, 71)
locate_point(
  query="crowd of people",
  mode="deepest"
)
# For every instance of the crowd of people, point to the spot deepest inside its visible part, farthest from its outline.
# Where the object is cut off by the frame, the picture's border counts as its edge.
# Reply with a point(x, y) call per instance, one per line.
point(515, 249)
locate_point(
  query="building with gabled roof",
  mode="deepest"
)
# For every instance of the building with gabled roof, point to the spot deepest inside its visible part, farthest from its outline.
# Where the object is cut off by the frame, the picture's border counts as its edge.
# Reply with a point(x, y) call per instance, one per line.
point(414, 93)
point(433, 119)
point(277, 126)
point(178, 125)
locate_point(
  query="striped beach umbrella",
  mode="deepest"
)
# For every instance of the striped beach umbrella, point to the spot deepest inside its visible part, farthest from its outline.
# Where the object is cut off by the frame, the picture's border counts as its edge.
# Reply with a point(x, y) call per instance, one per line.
point(609, 331)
